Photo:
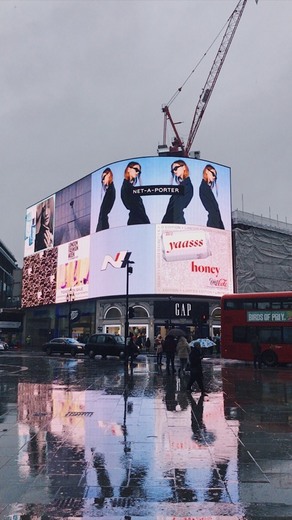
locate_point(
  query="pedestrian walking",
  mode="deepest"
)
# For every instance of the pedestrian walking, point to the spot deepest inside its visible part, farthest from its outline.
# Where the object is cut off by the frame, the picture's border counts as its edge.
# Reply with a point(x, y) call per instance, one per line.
point(147, 344)
point(196, 369)
point(256, 351)
point(140, 341)
point(132, 350)
point(217, 343)
point(159, 349)
point(183, 350)
point(169, 348)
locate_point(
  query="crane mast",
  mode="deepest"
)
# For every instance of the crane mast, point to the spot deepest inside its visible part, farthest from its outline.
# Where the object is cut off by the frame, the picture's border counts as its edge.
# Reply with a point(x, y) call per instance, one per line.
point(214, 72)
point(178, 144)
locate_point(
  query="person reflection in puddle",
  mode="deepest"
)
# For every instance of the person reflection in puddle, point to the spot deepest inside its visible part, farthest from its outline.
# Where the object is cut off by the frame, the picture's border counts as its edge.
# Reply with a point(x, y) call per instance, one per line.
point(170, 397)
point(197, 419)
point(200, 433)
point(103, 477)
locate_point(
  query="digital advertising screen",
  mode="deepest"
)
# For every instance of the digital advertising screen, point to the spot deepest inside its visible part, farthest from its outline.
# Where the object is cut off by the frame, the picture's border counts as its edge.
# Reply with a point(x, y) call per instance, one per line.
point(171, 216)
point(39, 226)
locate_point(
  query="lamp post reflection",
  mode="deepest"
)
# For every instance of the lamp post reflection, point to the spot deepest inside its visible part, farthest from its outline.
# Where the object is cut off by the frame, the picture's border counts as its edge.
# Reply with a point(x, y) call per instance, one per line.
point(128, 408)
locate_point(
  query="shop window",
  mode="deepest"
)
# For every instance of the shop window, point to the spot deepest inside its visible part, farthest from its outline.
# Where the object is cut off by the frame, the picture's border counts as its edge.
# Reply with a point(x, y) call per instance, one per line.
point(113, 329)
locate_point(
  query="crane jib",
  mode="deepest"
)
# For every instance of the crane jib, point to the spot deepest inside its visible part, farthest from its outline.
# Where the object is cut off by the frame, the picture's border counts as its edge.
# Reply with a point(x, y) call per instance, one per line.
point(178, 145)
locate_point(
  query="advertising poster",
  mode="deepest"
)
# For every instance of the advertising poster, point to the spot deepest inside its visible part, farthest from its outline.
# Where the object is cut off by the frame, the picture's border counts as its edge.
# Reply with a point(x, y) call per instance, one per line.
point(73, 212)
point(39, 278)
point(73, 270)
point(107, 253)
point(39, 226)
point(161, 190)
point(193, 260)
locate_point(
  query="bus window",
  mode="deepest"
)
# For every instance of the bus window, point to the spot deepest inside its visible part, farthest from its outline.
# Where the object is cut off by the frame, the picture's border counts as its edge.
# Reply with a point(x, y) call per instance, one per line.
point(239, 334)
point(247, 304)
point(230, 305)
point(276, 305)
point(287, 305)
point(264, 305)
point(270, 335)
point(287, 335)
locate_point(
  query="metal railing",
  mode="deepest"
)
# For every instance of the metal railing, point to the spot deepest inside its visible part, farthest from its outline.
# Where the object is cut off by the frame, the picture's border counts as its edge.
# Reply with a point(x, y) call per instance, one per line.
point(241, 217)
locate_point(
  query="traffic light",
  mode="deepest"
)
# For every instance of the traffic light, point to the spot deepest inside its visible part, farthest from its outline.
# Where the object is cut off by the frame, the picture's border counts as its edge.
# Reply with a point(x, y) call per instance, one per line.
point(131, 312)
point(200, 313)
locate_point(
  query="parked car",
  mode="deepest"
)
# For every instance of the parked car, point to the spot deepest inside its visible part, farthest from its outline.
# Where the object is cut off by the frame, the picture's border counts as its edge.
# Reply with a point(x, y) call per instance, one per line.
point(105, 345)
point(4, 345)
point(63, 346)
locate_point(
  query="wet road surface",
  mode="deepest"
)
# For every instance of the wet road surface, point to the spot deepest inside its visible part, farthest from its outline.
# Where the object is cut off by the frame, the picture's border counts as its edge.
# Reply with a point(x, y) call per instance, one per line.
point(79, 439)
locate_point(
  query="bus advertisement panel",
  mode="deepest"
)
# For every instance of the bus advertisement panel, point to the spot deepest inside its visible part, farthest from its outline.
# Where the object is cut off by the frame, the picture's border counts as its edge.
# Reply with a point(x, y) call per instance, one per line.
point(172, 215)
point(264, 316)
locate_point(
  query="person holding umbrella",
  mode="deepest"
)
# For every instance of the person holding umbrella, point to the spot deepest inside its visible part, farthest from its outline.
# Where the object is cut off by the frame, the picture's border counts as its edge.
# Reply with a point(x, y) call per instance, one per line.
point(196, 369)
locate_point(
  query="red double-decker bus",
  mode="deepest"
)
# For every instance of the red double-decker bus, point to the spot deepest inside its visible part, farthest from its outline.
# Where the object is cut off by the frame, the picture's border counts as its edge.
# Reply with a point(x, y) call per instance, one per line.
point(267, 315)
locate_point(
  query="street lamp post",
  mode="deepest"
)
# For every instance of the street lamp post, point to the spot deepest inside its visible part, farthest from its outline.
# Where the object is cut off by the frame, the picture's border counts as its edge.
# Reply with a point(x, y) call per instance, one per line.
point(129, 271)
point(70, 299)
point(170, 311)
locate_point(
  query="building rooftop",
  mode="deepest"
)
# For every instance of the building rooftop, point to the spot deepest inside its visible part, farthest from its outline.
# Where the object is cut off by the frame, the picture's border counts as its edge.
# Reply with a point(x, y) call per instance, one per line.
point(242, 217)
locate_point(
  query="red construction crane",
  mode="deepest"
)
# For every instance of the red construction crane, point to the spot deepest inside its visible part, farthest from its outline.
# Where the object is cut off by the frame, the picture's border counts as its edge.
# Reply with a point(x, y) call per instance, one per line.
point(178, 147)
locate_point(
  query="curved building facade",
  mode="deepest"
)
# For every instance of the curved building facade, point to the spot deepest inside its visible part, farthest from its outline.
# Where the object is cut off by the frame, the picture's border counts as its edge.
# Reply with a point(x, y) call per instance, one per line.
point(167, 217)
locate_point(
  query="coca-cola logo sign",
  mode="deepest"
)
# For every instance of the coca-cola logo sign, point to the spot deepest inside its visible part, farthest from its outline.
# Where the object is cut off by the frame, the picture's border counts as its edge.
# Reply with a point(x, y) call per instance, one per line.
point(210, 269)
point(221, 282)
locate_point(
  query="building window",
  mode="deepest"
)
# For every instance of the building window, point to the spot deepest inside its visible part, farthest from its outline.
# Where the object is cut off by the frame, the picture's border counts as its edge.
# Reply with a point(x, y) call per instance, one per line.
point(140, 312)
point(113, 313)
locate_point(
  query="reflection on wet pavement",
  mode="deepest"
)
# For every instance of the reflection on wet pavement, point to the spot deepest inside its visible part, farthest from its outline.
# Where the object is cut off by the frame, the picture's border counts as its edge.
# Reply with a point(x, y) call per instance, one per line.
point(81, 439)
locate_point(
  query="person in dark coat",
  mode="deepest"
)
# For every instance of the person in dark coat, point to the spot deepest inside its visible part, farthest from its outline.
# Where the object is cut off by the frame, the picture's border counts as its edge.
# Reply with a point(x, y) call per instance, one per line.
point(178, 202)
point(147, 344)
point(256, 351)
point(208, 198)
point(133, 202)
point(107, 180)
point(159, 349)
point(196, 369)
point(132, 350)
point(169, 348)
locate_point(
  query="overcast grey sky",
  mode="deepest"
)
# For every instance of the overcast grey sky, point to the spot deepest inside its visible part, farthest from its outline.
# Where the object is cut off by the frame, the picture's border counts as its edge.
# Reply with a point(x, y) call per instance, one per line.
point(83, 82)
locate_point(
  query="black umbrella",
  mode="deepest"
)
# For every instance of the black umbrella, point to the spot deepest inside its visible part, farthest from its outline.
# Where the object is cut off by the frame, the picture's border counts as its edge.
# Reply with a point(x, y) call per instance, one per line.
point(176, 332)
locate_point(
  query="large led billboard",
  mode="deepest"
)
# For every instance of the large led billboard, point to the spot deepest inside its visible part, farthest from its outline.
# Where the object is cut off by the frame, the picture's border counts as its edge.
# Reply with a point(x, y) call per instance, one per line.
point(172, 214)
